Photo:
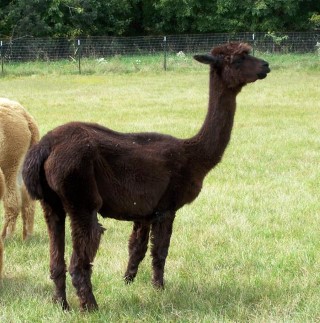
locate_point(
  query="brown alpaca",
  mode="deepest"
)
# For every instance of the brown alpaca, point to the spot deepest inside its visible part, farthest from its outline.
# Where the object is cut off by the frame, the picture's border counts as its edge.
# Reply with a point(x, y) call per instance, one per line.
point(84, 169)
point(18, 132)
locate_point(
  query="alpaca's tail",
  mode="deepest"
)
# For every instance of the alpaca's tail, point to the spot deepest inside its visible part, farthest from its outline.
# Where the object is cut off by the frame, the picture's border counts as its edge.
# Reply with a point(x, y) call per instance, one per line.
point(33, 171)
point(33, 128)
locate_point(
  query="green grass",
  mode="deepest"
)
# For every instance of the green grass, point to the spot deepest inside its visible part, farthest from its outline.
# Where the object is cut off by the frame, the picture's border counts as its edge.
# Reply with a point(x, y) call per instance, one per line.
point(145, 64)
point(88, 66)
point(246, 250)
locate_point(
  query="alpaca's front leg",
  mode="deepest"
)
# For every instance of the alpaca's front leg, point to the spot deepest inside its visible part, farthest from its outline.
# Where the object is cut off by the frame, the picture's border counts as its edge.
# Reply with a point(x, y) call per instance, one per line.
point(160, 238)
point(138, 245)
point(86, 235)
point(56, 229)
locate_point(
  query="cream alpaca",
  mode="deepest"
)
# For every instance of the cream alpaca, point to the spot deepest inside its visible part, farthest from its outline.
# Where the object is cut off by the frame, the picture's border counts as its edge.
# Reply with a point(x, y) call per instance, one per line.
point(2, 188)
point(18, 132)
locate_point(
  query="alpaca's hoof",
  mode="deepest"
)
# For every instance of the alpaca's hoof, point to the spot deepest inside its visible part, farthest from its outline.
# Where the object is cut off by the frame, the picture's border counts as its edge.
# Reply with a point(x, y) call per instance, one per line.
point(26, 236)
point(26, 233)
point(128, 279)
point(157, 284)
point(10, 231)
point(4, 234)
point(65, 306)
point(62, 301)
point(89, 306)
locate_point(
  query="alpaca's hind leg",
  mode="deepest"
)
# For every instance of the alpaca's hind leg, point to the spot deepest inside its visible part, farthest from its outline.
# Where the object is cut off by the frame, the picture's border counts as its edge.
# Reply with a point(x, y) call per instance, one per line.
point(160, 238)
point(86, 235)
point(27, 211)
point(11, 203)
point(2, 184)
point(138, 244)
point(1, 256)
point(55, 219)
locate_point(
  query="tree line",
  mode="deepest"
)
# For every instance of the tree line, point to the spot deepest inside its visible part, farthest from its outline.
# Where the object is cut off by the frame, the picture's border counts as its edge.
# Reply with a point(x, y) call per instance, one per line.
point(71, 18)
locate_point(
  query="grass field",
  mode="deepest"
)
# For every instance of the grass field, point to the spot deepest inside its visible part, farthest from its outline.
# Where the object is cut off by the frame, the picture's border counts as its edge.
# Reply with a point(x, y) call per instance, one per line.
point(148, 63)
point(246, 250)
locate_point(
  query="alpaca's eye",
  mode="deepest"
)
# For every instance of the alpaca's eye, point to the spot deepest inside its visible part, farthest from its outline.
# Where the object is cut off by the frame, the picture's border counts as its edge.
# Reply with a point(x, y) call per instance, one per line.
point(237, 61)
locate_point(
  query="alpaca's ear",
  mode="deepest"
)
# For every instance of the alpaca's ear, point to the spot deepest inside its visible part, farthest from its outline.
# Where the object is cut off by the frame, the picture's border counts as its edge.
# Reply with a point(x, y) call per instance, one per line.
point(207, 59)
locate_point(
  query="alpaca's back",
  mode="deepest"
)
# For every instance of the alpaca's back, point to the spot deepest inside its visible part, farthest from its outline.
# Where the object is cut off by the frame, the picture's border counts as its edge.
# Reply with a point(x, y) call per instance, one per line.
point(16, 111)
point(15, 138)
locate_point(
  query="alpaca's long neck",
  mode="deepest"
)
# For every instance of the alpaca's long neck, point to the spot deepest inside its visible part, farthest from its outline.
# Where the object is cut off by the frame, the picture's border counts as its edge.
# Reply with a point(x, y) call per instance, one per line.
point(208, 145)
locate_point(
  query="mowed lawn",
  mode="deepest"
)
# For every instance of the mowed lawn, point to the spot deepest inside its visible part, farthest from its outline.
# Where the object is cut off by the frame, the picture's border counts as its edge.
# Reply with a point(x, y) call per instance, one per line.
point(248, 249)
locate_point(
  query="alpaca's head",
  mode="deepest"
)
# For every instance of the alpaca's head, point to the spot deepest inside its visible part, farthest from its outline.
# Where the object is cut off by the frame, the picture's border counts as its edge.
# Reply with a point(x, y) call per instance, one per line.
point(235, 66)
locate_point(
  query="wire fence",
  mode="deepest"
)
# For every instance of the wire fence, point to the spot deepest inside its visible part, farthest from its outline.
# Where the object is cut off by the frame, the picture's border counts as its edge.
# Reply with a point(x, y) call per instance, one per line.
point(26, 49)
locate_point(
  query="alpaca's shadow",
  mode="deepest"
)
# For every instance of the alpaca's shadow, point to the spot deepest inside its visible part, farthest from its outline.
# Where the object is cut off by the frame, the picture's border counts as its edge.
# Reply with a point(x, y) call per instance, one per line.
point(183, 296)
point(35, 239)
point(13, 286)
point(202, 300)
point(19, 260)
point(186, 298)
point(38, 239)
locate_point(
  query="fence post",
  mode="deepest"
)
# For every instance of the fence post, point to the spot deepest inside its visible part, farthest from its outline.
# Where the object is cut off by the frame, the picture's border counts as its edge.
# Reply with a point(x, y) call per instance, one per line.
point(79, 55)
point(253, 44)
point(165, 52)
point(1, 53)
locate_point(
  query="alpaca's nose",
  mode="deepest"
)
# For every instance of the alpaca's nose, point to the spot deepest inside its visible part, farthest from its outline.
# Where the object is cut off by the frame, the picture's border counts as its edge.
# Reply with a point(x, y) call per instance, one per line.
point(266, 66)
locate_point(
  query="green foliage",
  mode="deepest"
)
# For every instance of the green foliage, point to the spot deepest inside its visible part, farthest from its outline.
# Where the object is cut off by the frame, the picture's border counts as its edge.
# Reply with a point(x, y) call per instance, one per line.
point(66, 17)
point(56, 18)
point(277, 39)
point(187, 16)
point(315, 20)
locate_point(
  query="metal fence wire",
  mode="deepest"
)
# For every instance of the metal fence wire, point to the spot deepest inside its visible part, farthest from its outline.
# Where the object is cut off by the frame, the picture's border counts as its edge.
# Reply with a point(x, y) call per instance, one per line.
point(52, 49)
